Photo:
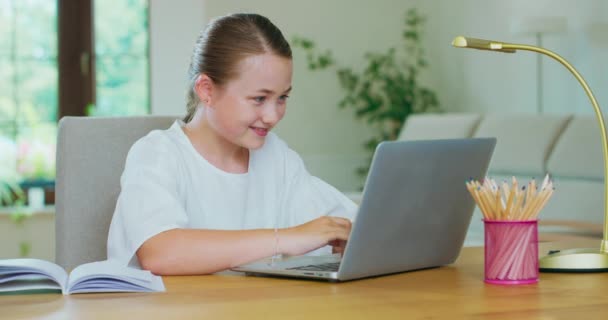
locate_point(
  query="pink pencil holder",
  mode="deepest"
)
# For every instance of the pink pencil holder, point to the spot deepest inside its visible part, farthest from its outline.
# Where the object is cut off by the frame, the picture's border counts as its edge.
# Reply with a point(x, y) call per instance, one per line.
point(511, 252)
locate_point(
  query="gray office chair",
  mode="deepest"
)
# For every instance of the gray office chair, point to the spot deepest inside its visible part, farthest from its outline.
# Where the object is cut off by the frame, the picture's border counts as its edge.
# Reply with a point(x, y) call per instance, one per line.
point(91, 154)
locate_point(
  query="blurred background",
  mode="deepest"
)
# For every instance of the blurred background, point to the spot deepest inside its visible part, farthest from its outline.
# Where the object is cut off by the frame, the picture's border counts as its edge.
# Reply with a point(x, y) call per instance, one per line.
point(130, 57)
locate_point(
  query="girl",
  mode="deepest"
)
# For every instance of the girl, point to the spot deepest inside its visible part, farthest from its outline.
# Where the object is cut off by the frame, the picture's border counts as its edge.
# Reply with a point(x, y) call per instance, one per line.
point(219, 189)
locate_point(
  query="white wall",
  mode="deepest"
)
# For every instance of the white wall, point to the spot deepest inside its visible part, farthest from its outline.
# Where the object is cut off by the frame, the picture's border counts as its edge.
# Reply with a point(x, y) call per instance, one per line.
point(38, 231)
point(329, 139)
point(174, 26)
point(471, 80)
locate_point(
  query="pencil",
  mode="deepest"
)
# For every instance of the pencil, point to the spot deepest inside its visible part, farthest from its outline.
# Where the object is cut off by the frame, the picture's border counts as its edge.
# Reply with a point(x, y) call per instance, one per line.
point(510, 198)
point(510, 203)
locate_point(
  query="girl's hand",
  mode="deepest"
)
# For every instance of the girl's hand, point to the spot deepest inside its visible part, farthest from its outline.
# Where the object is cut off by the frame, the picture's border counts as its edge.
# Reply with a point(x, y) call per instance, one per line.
point(338, 246)
point(314, 235)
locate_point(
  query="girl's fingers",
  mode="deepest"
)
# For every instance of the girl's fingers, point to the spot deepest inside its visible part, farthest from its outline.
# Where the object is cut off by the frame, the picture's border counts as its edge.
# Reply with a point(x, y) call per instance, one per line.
point(341, 234)
point(338, 246)
point(341, 221)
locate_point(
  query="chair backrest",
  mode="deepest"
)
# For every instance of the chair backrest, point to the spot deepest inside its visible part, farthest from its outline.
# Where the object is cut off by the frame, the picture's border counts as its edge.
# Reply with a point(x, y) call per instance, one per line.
point(91, 154)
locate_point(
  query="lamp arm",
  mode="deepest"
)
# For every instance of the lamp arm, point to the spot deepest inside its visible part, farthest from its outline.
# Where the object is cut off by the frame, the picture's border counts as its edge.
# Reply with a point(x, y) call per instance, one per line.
point(598, 113)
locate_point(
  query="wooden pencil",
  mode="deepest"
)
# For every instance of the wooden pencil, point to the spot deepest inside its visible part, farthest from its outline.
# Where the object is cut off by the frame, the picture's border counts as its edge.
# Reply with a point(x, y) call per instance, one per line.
point(511, 203)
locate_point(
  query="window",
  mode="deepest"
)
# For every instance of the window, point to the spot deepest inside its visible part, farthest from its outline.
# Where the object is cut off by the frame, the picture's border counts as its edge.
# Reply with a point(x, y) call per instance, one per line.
point(121, 57)
point(28, 95)
point(40, 52)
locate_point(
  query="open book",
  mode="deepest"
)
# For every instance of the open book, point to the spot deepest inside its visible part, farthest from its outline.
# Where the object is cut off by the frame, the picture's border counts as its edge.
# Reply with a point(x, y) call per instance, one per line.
point(31, 275)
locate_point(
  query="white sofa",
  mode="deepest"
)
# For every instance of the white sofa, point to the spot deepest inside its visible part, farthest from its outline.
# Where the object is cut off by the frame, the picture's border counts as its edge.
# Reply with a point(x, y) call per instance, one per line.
point(568, 147)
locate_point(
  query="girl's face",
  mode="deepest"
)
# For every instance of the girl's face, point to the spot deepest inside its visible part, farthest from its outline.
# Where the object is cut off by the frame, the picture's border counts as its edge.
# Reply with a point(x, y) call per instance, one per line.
point(245, 109)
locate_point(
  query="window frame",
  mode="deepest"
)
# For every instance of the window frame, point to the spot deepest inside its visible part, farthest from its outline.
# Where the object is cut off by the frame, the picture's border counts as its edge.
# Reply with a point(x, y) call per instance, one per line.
point(75, 57)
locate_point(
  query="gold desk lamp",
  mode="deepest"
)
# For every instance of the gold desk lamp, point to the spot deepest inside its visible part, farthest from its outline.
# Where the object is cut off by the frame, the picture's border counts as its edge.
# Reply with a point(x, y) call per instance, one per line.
point(572, 260)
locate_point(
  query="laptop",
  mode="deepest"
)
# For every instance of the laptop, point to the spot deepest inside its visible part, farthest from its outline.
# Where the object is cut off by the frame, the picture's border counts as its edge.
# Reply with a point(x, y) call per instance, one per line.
point(414, 213)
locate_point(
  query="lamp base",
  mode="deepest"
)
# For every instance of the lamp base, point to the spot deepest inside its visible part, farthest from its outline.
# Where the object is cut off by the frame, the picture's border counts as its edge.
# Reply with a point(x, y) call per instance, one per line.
point(574, 261)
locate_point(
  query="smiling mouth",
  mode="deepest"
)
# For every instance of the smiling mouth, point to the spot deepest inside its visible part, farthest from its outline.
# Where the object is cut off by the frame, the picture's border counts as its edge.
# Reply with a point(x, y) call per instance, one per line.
point(262, 132)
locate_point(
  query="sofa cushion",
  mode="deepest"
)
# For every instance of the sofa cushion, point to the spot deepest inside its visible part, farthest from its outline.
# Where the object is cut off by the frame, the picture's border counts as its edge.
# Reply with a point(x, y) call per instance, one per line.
point(524, 141)
point(575, 200)
point(439, 126)
point(578, 152)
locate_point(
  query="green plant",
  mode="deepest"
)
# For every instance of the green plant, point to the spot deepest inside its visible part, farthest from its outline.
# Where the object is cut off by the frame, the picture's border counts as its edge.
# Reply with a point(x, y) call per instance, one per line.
point(388, 89)
point(90, 110)
point(10, 193)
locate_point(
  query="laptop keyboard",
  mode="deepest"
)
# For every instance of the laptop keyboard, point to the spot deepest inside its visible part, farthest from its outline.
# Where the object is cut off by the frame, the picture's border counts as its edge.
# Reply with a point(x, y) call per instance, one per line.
point(332, 266)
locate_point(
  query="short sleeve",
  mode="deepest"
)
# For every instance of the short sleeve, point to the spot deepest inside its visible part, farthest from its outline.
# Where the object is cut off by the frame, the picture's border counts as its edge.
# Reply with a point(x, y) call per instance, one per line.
point(308, 197)
point(149, 201)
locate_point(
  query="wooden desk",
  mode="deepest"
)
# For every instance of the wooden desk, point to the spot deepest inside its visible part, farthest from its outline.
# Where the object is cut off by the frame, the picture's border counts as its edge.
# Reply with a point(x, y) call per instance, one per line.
point(455, 291)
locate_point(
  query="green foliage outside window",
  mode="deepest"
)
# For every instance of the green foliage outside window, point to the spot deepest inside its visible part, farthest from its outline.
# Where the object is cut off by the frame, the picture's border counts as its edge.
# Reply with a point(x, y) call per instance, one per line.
point(28, 95)
point(121, 58)
point(29, 77)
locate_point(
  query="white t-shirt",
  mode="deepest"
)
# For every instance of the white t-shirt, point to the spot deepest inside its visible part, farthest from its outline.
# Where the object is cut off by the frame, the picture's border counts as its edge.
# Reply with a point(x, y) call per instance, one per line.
point(167, 184)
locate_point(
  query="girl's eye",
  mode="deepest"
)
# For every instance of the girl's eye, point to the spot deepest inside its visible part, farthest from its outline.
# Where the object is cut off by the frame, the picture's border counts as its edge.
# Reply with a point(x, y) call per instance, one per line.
point(259, 99)
point(283, 98)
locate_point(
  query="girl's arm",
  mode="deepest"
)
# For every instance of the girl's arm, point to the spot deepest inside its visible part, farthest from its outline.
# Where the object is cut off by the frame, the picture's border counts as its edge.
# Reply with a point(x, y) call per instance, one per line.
point(199, 251)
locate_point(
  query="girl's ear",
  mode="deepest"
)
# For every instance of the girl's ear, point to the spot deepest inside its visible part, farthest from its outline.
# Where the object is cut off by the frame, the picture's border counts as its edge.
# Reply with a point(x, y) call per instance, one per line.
point(203, 86)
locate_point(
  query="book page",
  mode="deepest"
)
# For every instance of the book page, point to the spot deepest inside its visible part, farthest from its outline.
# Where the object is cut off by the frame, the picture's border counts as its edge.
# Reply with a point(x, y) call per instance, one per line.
point(29, 272)
point(109, 276)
